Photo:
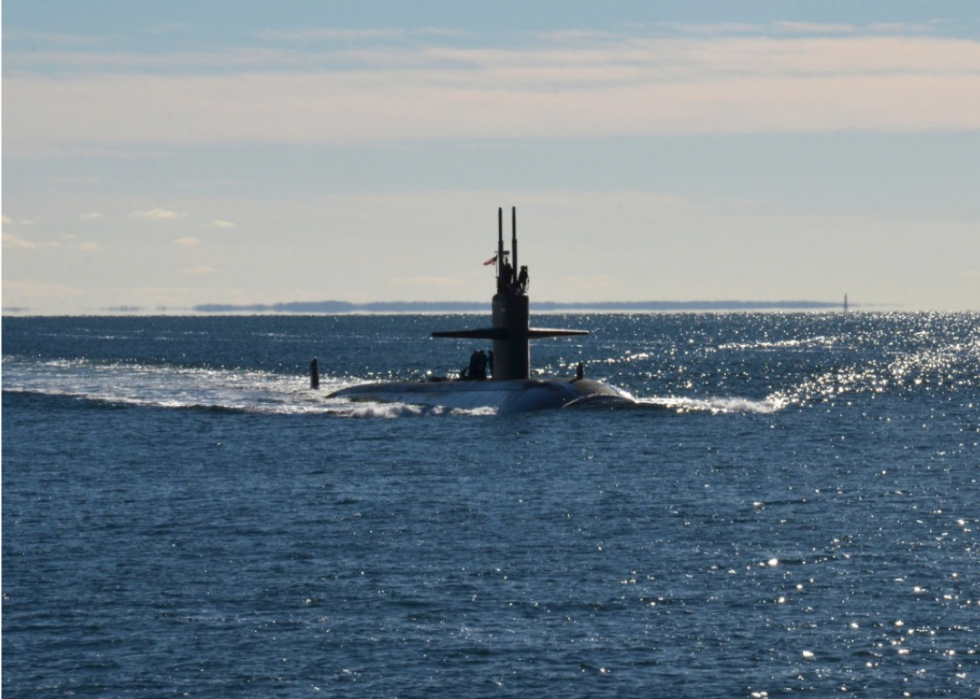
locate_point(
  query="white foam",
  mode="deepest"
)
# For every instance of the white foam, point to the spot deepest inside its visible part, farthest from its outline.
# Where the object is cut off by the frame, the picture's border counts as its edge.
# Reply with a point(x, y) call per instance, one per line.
point(713, 404)
point(170, 387)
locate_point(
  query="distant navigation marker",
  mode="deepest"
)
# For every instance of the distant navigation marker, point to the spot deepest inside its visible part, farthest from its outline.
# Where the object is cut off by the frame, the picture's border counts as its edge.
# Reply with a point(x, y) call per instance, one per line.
point(845, 303)
point(314, 374)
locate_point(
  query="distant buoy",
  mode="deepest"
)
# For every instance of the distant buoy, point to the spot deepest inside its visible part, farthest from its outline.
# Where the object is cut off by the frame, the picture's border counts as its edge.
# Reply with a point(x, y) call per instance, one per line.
point(314, 374)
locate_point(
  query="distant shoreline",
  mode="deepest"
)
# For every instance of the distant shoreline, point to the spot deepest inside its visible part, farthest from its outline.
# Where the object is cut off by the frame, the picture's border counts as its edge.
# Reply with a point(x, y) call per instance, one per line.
point(341, 307)
point(432, 307)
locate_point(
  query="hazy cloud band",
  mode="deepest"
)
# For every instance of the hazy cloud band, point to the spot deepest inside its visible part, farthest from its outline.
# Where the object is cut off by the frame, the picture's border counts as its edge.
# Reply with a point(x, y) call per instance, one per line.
point(591, 89)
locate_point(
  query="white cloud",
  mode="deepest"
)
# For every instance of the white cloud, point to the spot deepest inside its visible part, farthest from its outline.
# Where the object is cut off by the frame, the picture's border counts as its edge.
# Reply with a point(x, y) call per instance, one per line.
point(715, 29)
point(424, 281)
point(904, 27)
point(12, 242)
point(814, 28)
point(89, 246)
point(41, 39)
point(34, 290)
point(200, 270)
point(782, 28)
point(159, 214)
point(333, 35)
point(170, 28)
point(218, 223)
point(91, 216)
point(188, 241)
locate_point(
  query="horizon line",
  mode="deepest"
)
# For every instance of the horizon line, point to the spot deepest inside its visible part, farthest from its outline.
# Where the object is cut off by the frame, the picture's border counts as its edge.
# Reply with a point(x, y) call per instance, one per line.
point(334, 307)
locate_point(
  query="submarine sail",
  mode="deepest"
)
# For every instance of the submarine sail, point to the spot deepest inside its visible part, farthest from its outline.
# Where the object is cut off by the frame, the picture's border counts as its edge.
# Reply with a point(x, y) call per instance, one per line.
point(511, 332)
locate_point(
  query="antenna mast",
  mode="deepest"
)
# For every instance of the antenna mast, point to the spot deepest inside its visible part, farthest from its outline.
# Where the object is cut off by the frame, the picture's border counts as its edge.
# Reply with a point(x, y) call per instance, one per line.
point(500, 241)
point(513, 226)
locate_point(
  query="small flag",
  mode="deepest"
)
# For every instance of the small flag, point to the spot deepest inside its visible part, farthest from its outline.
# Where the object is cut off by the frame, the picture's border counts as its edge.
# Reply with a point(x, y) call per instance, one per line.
point(491, 261)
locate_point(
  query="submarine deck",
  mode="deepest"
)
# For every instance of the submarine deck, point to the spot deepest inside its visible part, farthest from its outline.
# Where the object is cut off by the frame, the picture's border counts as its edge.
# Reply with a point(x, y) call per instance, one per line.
point(514, 396)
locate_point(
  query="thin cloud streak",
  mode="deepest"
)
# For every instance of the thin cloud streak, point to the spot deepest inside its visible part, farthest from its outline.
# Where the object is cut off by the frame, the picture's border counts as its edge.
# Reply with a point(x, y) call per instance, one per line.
point(159, 214)
point(329, 34)
point(12, 242)
point(424, 281)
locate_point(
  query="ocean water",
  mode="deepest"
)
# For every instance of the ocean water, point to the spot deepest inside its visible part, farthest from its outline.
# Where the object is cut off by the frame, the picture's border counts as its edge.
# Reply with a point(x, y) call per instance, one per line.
point(792, 507)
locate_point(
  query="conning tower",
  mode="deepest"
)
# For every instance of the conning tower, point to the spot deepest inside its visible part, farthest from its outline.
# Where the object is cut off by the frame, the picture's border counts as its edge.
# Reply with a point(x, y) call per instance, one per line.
point(511, 332)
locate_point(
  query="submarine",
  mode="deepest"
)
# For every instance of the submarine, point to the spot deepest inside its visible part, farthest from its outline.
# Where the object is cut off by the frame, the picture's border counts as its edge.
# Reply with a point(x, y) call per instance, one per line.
point(500, 380)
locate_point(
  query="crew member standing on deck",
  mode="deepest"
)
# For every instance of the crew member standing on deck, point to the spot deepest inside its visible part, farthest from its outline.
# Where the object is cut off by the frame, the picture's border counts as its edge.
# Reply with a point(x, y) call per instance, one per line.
point(522, 279)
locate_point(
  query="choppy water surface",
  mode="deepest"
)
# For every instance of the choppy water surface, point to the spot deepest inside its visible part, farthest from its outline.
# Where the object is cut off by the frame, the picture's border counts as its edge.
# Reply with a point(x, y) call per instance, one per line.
point(791, 507)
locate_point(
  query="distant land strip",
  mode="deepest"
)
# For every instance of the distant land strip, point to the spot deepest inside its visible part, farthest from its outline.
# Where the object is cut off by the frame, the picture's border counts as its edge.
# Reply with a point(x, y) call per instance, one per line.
point(342, 307)
point(339, 307)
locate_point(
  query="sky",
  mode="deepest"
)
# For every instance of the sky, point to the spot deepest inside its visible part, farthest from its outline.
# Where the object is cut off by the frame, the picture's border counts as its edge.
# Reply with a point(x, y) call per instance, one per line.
point(161, 155)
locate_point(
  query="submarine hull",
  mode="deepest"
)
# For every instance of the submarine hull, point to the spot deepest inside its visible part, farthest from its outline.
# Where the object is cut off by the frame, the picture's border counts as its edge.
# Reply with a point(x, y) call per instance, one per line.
point(512, 396)
point(511, 390)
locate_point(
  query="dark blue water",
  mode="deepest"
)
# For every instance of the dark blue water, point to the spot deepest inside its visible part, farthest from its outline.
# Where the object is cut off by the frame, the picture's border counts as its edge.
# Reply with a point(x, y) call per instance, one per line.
point(793, 507)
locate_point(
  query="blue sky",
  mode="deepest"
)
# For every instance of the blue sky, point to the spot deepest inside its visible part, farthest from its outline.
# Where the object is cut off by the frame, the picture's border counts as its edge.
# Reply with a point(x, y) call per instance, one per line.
point(162, 155)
